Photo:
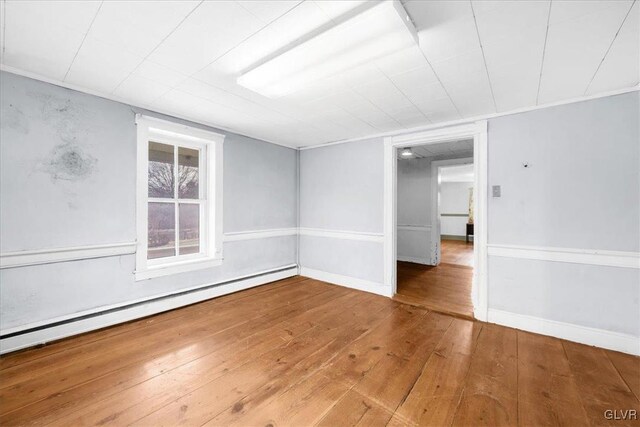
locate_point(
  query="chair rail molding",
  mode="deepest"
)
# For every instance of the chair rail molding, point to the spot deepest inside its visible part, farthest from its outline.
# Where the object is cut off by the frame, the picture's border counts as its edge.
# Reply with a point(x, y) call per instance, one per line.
point(568, 255)
point(259, 234)
point(342, 234)
point(48, 256)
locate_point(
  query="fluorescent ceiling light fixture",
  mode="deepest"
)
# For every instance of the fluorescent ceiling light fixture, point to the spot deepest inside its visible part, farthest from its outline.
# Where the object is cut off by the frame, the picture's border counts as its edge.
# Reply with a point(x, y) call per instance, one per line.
point(406, 152)
point(381, 29)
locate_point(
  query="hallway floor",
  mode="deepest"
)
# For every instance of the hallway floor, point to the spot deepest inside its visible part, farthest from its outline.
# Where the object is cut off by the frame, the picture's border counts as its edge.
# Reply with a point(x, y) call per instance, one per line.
point(445, 288)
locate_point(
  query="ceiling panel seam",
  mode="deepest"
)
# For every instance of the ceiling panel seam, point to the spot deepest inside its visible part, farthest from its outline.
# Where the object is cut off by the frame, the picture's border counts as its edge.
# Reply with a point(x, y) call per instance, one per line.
point(544, 50)
point(157, 46)
point(82, 42)
point(484, 60)
point(609, 48)
point(404, 94)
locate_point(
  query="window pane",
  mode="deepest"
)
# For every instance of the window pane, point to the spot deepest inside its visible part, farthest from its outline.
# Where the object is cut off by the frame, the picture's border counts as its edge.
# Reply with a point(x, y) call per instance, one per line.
point(160, 170)
point(162, 231)
point(189, 228)
point(188, 173)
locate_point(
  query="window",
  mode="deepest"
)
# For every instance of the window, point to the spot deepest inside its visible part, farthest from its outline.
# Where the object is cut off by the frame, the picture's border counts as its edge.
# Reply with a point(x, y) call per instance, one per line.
point(179, 218)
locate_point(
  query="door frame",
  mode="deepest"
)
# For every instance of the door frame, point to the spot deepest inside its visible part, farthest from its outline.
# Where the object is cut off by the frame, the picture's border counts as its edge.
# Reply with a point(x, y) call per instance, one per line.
point(477, 131)
point(434, 208)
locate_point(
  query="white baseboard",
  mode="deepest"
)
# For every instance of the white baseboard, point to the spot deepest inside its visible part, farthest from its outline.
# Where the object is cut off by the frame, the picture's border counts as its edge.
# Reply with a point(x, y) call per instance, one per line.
point(141, 309)
point(347, 281)
point(424, 261)
point(582, 334)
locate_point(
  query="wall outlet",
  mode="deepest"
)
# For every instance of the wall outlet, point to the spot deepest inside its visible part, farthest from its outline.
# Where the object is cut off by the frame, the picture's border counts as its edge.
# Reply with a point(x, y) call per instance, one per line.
point(495, 191)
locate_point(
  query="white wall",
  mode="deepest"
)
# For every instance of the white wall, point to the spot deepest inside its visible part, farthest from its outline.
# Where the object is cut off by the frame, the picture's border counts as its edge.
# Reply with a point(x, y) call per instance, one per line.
point(582, 191)
point(454, 199)
point(91, 200)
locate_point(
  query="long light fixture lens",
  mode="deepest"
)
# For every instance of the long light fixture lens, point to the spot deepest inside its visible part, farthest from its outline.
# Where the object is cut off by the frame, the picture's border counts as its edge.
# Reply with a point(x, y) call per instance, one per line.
point(374, 33)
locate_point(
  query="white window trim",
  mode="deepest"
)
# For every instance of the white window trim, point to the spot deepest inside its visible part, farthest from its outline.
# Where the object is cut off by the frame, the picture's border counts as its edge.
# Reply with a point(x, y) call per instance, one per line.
point(212, 241)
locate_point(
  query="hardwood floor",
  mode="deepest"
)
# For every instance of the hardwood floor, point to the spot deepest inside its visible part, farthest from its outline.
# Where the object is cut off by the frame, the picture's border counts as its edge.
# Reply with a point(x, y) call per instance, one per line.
point(302, 352)
point(445, 288)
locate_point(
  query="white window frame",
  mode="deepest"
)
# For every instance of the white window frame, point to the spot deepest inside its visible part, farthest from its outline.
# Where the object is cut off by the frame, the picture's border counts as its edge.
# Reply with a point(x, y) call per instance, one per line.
point(210, 146)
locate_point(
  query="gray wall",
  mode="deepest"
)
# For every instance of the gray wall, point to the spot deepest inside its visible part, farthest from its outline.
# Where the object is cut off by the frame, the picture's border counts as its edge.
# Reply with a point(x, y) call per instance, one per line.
point(340, 189)
point(414, 192)
point(582, 191)
point(67, 178)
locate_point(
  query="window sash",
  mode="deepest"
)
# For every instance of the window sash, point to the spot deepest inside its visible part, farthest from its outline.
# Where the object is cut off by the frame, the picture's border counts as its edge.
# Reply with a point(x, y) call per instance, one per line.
point(201, 201)
point(210, 198)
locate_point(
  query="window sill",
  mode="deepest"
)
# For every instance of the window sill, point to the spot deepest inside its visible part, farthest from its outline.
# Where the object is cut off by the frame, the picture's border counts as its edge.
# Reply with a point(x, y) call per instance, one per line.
point(175, 268)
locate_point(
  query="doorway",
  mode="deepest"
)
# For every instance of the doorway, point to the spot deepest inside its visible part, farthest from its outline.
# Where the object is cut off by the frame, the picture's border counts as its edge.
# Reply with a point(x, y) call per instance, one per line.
point(435, 186)
point(463, 286)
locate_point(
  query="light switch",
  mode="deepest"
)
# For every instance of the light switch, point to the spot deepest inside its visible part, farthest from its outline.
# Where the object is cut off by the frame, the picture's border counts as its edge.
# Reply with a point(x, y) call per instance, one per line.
point(495, 190)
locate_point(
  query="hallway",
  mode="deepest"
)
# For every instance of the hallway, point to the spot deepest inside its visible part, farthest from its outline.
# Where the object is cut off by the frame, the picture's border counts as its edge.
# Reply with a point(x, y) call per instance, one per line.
point(445, 288)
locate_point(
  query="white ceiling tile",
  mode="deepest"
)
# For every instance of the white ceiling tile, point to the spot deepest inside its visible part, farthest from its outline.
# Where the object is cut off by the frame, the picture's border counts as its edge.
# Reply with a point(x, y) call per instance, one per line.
point(141, 91)
point(443, 116)
point(205, 35)
point(401, 62)
point(384, 94)
point(509, 18)
point(35, 42)
point(514, 58)
point(471, 98)
point(566, 10)
point(139, 26)
point(74, 15)
point(574, 51)
point(450, 38)
point(462, 68)
point(437, 148)
point(621, 66)
point(515, 87)
point(159, 73)
point(409, 116)
point(430, 14)
point(415, 77)
point(419, 93)
point(101, 66)
point(184, 104)
point(268, 10)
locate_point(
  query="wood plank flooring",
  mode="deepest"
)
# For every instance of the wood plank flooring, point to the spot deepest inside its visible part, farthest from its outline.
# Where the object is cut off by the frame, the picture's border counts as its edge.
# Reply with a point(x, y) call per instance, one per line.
point(445, 288)
point(301, 352)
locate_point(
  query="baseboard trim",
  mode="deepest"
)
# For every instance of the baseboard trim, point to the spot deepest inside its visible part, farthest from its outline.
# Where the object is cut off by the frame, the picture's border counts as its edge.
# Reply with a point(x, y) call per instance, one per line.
point(455, 237)
point(30, 335)
point(424, 261)
point(346, 281)
point(422, 228)
point(582, 334)
point(569, 255)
